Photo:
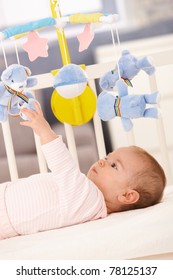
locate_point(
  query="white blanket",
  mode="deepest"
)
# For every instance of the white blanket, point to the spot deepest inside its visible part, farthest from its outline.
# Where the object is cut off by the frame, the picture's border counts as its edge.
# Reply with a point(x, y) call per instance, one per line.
point(125, 235)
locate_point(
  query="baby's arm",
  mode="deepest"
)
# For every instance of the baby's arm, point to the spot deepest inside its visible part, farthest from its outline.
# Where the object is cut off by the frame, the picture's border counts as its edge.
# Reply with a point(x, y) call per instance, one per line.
point(38, 123)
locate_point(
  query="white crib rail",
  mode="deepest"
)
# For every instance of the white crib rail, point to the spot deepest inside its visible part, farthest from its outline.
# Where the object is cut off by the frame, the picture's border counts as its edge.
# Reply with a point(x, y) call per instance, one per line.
point(161, 134)
point(41, 160)
point(94, 72)
point(9, 150)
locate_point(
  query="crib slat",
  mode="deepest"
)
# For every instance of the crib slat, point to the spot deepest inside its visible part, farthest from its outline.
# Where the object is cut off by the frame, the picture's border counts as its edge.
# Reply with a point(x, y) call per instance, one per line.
point(98, 128)
point(163, 149)
point(130, 137)
point(40, 157)
point(71, 141)
point(41, 160)
point(161, 135)
point(9, 150)
point(99, 136)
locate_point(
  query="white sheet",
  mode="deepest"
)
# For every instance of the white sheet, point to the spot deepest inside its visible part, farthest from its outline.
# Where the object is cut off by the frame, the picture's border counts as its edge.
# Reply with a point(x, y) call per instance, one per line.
point(126, 235)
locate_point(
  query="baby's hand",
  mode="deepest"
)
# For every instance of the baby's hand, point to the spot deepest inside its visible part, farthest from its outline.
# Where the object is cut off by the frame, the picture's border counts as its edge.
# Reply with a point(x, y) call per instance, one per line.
point(38, 123)
point(29, 105)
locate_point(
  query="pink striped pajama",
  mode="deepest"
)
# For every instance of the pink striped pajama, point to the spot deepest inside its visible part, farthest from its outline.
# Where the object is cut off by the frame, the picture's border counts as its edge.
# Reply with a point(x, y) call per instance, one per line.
point(46, 201)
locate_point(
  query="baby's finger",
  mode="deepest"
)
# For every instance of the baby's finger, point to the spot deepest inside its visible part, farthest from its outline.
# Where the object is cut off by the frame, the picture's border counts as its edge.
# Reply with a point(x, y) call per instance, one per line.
point(37, 107)
point(29, 113)
point(26, 123)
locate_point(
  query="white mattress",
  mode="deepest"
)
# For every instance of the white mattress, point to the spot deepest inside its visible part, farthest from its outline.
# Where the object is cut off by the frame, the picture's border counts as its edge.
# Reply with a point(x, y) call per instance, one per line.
point(126, 235)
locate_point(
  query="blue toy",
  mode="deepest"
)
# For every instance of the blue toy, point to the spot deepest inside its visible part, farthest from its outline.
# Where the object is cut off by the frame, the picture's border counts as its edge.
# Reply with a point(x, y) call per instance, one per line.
point(70, 81)
point(14, 80)
point(126, 106)
point(129, 67)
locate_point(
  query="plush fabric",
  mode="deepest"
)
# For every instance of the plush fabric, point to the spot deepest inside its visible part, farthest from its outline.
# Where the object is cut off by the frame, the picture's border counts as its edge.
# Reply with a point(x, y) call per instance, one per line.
point(70, 81)
point(128, 67)
point(126, 106)
point(14, 80)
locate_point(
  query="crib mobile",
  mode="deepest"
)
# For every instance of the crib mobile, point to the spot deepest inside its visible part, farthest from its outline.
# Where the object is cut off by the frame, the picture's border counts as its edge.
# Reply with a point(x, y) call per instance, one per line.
point(72, 100)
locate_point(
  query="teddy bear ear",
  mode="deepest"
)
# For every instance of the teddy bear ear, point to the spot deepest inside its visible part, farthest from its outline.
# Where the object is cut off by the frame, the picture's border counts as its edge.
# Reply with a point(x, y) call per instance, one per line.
point(6, 74)
point(28, 71)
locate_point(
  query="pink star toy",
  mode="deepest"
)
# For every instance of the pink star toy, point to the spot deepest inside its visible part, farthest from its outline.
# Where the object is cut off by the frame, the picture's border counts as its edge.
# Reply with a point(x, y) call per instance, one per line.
point(85, 38)
point(35, 46)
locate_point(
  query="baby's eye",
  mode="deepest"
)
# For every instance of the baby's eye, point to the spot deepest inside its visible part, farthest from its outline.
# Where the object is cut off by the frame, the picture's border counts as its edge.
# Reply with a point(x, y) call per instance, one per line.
point(114, 165)
point(12, 81)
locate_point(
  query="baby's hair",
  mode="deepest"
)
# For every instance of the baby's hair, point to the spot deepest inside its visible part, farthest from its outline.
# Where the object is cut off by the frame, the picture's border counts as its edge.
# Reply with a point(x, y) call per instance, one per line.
point(149, 182)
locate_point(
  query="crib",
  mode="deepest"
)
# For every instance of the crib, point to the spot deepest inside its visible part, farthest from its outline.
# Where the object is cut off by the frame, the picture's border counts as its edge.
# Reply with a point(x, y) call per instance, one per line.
point(138, 234)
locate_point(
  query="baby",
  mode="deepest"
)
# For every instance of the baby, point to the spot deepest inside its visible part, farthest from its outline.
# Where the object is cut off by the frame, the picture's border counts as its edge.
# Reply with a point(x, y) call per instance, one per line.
point(128, 178)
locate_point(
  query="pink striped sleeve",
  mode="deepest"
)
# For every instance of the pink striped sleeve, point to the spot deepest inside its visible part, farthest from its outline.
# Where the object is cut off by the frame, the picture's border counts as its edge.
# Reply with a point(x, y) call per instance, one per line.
point(80, 198)
point(58, 157)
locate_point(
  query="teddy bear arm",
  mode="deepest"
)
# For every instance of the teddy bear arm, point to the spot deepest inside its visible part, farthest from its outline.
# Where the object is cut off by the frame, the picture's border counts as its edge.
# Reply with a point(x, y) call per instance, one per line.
point(151, 98)
point(2, 88)
point(151, 113)
point(127, 124)
point(14, 110)
point(122, 88)
point(28, 94)
point(146, 64)
point(3, 113)
point(31, 82)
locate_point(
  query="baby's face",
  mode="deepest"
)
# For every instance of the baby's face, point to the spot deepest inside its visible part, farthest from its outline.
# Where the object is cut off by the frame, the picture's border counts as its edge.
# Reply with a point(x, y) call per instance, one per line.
point(113, 173)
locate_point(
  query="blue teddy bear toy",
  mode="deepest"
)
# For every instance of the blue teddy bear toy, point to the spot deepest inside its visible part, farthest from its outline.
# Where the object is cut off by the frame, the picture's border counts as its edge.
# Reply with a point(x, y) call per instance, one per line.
point(129, 67)
point(126, 106)
point(14, 80)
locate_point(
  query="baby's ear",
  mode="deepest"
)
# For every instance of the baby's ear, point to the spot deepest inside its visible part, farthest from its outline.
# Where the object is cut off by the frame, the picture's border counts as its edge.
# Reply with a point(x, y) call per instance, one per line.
point(129, 197)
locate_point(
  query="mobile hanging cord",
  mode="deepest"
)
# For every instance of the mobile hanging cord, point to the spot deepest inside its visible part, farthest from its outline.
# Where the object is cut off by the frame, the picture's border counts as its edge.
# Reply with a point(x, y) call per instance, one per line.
point(4, 55)
point(127, 81)
point(119, 45)
point(16, 50)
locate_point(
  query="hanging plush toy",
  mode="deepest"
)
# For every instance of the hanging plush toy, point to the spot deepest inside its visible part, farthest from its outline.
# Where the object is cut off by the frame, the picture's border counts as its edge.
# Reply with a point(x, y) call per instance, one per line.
point(126, 106)
point(14, 80)
point(129, 67)
point(73, 101)
point(70, 81)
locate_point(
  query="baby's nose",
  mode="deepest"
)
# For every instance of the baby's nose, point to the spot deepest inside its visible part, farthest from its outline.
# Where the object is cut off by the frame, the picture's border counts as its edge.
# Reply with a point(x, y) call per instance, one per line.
point(101, 162)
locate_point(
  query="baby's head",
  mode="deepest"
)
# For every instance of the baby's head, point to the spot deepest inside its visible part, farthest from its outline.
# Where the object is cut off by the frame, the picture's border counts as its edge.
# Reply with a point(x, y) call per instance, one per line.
point(129, 178)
